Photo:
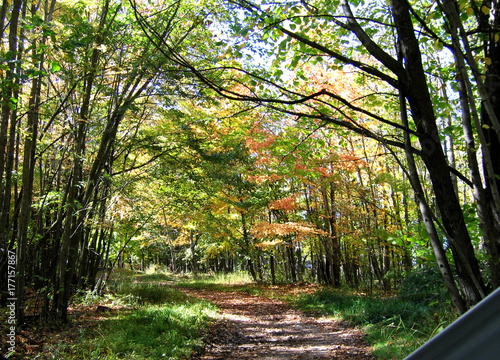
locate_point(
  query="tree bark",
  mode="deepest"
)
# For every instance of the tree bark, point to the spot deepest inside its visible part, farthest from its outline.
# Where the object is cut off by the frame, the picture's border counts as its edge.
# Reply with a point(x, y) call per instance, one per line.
point(25, 211)
point(8, 135)
point(487, 197)
point(414, 85)
point(442, 260)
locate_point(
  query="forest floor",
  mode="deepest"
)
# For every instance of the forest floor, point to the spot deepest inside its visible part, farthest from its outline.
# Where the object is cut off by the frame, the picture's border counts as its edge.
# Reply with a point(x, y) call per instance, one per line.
point(256, 327)
point(248, 327)
point(164, 316)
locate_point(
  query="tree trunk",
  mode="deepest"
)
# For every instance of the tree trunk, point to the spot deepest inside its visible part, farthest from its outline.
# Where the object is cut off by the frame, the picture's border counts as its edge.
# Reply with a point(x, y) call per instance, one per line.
point(273, 271)
point(193, 242)
point(442, 260)
point(413, 83)
point(336, 256)
point(291, 261)
point(25, 211)
point(8, 91)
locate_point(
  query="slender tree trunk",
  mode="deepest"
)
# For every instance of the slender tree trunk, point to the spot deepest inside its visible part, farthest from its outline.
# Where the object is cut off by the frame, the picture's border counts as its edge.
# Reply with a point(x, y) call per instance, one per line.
point(377, 269)
point(291, 261)
point(487, 199)
point(413, 83)
point(193, 241)
point(273, 271)
point(8, 134)
point(448, 140)
point(336, 256)
point(442, 261)
point(488, 223)
point(28, 175)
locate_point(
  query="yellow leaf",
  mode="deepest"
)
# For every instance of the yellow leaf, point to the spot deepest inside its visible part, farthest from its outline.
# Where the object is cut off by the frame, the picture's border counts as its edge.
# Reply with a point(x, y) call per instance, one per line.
point(469, 11)
point(485, 10)
point(462, 4)
point(497, 37)
point(486, 126)
point(487, 60)
point(438, 45)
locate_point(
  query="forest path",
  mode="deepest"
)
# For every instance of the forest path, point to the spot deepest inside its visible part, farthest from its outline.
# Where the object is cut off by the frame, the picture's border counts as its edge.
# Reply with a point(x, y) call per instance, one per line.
point(255, 327)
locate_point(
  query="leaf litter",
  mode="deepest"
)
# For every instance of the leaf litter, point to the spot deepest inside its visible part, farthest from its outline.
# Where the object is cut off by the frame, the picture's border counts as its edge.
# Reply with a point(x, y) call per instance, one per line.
point(255, 327)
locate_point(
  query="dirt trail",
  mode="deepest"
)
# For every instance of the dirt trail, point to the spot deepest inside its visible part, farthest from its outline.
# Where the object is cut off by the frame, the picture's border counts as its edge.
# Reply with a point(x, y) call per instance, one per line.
point(252, 327)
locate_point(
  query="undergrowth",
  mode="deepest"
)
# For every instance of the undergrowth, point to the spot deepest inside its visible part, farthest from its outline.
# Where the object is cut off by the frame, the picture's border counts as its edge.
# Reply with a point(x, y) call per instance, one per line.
point(156, 321)
point(395, 326)
point(151, 332)
point(143, 319)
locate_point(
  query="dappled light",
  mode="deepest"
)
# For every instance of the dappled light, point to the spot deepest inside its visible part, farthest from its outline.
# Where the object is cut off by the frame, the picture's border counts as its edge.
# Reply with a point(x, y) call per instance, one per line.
point(332, 161)
point(257, 327)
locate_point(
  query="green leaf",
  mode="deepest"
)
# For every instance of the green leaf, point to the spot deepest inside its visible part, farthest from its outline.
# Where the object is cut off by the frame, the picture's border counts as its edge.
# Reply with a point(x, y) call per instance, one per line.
point(295, 61)
point(55, 66)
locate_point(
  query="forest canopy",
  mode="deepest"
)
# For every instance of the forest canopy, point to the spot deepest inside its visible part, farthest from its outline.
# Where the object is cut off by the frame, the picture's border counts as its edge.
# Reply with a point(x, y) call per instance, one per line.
point(337, 142)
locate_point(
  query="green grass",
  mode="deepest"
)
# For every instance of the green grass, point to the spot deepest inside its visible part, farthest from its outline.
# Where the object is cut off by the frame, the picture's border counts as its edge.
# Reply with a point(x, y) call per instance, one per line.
point(394, 326)
point(152, 293)
point(239, 281)
point(157, 321)
point(153, 321)
point(153, 277)
point(152, 332)
point(152, 274)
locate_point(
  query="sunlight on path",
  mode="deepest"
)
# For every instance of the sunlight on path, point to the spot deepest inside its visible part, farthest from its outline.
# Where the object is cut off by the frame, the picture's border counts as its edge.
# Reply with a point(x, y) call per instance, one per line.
point(252, 327)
